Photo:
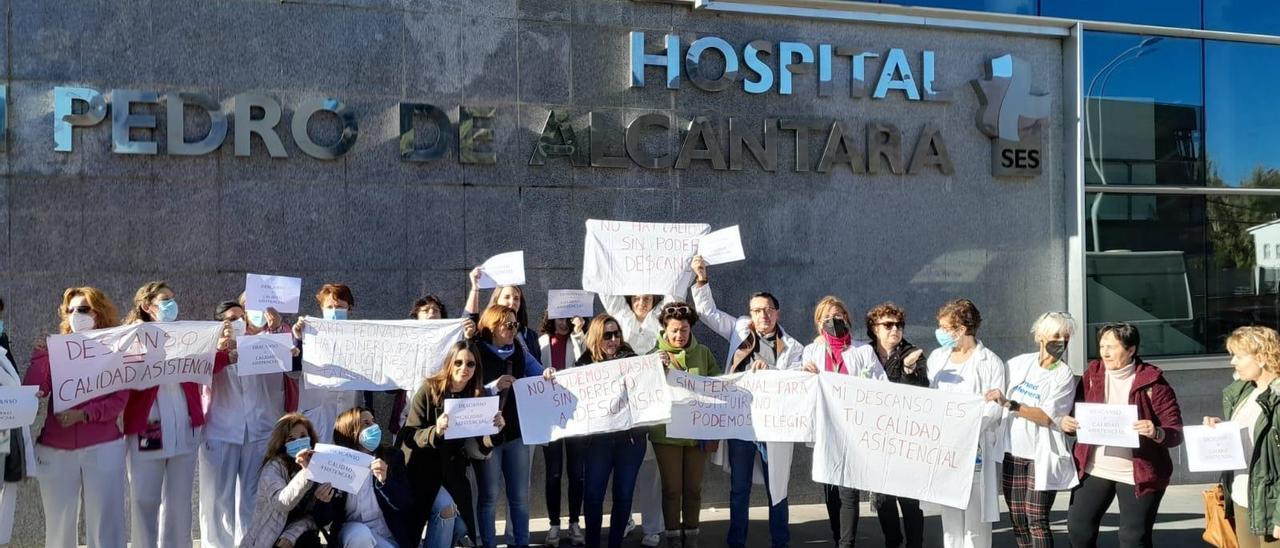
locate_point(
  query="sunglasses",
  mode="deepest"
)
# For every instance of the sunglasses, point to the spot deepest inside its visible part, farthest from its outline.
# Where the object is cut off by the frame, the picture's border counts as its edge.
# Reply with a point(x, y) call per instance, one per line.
point(677, 309)
point(509, 325)
point(611, 335)
point(84, 309)
point(469, 364)
point(890, 326)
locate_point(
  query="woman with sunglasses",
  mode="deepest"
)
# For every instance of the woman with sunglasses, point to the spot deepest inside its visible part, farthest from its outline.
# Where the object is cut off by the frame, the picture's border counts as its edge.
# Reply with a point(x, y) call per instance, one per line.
point(510, 296)
point(81, 450)
point(681, 462)
point(503, 360)
point(615, 455)
point(835, 351)
point(433, 462)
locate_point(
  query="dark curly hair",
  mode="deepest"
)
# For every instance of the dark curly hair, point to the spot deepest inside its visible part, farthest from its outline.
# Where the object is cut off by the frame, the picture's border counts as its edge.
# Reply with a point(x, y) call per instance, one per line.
point(678, 310)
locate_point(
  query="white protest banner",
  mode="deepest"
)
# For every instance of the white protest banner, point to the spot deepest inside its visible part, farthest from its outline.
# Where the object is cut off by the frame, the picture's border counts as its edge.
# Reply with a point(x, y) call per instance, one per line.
point(470, 417)
point(896, 439)
point(263, 354)
point(569, 303)
point(278, 292)
point(754, 406)
point(502, 269)
point(374, 354)
point(95, 363)
point(626, 258)
point(722, 246)
point(17, 406)
point(1110, 425)
point(593, 399)
point(344, 469)
point(1215, 448)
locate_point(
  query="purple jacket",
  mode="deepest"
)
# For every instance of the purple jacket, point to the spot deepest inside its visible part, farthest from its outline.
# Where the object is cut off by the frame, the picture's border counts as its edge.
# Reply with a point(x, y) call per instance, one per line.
point(1152, 467)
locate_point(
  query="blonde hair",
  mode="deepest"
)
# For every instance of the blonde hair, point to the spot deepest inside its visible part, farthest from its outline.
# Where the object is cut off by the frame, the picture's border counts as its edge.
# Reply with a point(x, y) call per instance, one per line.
point(1052, 324)
point(1263, 343)
point(104, 311)
point(142, 299)
point(819, 311)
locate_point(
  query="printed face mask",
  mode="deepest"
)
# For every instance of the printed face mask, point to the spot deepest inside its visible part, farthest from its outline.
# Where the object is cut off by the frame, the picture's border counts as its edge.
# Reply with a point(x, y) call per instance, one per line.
point(371, 437)
point(334, 313)
point(80, 322)
point(836, 327)
point(945, 339)
point(168, 311)
point(297, 446)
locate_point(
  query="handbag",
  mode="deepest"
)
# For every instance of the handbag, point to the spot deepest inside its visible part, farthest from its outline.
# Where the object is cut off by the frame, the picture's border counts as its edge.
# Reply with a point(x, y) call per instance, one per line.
point(1218, 528)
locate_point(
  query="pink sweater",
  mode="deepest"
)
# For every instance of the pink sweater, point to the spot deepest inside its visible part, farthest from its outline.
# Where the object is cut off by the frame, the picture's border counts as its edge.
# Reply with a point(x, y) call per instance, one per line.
point(103, 412)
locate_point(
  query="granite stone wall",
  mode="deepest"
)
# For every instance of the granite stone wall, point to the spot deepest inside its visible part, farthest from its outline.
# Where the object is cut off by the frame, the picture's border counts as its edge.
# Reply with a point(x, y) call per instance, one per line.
point(394, 230)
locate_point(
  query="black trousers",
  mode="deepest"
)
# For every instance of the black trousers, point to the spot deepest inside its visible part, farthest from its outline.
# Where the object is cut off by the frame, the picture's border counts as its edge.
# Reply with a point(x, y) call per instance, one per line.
point(842, 512)
point(1089, 503)
point(911, 527)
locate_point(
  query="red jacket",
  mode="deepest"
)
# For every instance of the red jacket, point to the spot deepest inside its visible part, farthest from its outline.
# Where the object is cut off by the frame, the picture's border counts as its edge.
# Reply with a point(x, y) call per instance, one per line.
point(138, 409)
point(102, 412)
point(1152, 467)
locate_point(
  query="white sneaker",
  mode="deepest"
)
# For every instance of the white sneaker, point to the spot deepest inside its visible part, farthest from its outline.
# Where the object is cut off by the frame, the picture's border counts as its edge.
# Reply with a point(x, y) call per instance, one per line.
point(553, 536)
point(631, 526)
point(651, 541)
point(575, 535)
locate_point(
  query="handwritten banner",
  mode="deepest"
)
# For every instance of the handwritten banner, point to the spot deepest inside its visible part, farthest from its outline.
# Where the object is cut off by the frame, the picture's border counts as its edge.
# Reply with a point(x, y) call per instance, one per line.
point(95, 363)
point(375, 354)
point(594, 399)
point(626, 258)
point(17, 406)
point(896, 439)
point(470, 417)
point(755, 406)
point(344, 469)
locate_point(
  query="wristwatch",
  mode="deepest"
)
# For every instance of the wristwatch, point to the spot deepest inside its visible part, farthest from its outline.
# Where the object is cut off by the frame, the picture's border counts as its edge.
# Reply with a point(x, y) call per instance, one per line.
point(1014, 406)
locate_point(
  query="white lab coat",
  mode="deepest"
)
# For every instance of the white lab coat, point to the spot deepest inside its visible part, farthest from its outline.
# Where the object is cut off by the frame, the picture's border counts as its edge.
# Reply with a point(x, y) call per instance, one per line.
point(982, 372)
point(9, 491)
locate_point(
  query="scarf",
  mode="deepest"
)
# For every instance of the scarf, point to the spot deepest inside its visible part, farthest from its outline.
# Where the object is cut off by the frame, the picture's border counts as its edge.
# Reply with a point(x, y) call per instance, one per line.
point(835, 352)
point(504, 352)
point(677, 353)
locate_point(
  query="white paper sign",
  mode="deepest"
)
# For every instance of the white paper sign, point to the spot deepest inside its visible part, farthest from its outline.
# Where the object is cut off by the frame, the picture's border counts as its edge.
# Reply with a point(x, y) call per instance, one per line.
point(1110, 425)
point(17, 406)
point(896, 439)
point(470, 417)
point(569, 303)
point(375, 354)
point(345, 469)
point(263, 354)
point(756, 406)
point(1215, 449)
point(502, 269)
point(626, 258)
point(722, 246)
point(278, 292)
point(95, 363)
point(594, 399)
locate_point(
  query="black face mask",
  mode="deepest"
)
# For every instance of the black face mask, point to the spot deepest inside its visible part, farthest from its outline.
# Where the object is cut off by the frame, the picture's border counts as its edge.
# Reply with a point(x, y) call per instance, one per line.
point(836, 327)
point(1055, 349)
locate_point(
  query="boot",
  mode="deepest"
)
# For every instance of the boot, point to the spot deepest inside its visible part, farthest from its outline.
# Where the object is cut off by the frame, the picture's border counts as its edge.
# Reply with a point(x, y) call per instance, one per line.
point(673, 539)
point(691, 538)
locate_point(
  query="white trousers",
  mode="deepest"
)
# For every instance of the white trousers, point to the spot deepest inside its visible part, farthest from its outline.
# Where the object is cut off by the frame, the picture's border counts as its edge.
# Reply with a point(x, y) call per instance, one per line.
point(98, 472)
point(228, 484)
point(160, 500)
point(357, 535)
point(966, 528)
point(8, 504)
point(648, 497)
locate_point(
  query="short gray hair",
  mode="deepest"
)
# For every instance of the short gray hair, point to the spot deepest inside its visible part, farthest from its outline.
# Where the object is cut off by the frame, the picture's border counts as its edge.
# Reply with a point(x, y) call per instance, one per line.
point(1051, 324)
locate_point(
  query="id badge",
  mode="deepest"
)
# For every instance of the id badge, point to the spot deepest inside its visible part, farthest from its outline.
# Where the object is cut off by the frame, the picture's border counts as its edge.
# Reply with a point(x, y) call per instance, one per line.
point(151, 439)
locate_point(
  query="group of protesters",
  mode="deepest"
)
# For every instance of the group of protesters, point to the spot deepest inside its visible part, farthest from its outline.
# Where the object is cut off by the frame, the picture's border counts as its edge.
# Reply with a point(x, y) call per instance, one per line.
point(251, 438)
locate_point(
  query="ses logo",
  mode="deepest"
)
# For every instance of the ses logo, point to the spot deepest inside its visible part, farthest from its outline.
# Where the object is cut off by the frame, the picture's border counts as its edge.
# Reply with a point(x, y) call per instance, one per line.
point(1012, 116)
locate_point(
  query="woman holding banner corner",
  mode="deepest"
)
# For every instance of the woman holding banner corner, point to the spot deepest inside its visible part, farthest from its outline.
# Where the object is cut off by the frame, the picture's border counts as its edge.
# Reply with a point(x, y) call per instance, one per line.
point(380, 514)
point(322, 406)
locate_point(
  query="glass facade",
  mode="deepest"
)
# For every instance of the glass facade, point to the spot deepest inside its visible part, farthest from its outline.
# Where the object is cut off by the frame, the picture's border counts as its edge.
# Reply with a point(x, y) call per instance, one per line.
point(1247, 16)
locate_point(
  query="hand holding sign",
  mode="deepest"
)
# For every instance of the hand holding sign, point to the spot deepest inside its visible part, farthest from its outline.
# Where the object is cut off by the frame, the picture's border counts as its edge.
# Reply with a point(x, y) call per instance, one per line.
point(570, 303)
point(501, 270)
point(17, 406)
point(345, 469)
point(279, 292)
point(468, 417)
point(1110, 425)
point(1215, 448)
point(722, 246)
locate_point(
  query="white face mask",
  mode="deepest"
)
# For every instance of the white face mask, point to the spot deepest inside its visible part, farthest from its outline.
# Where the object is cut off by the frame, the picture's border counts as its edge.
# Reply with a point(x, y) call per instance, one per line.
point(81, 322)
point(237, 327)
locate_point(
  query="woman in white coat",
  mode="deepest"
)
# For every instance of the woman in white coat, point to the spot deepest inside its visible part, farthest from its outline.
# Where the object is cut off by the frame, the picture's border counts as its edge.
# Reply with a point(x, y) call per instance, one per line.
point(19, 457)
point(1037, 464)
point(964, 365)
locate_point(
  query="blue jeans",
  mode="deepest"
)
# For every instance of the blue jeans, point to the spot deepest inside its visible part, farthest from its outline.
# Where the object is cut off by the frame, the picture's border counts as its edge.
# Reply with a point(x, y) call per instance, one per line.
point(443, 532)
point(510, 465)
point(742, 460)
point(618, 455)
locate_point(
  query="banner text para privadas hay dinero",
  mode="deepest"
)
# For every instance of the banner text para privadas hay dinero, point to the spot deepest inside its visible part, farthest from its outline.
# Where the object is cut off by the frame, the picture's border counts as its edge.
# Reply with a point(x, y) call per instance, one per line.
point(765, 406)
point(95, 363)
point(375, 354)
point(593, 399)
point(896, 439)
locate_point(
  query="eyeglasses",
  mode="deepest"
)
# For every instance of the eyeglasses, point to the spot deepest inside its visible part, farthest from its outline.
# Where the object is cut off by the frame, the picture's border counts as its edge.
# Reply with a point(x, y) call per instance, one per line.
point(765, 310)
point(469, 364)
point(509, 325)
point(890, 326)
point(611, 335)
point(84, 309)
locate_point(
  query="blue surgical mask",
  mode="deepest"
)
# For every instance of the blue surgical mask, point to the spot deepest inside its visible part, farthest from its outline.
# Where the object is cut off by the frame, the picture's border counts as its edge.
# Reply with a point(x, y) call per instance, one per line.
point(297, 446)
point(256, 317)
point(944, 338)
point(371, 437)
point(168, 310)
point(334, 313)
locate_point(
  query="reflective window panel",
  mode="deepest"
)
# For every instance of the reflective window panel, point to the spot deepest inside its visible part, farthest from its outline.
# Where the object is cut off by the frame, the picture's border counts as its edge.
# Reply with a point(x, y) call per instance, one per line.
point(1022, 7)
point(1162, 13)
point(1242, 123)
point(1250, 16)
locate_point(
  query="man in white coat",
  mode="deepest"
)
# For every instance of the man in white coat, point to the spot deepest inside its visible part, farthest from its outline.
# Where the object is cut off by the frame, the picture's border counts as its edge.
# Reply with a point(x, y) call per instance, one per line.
point(756, 342)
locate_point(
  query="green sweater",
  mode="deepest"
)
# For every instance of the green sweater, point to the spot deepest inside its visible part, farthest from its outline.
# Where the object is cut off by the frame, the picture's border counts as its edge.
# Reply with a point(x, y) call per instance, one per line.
point(696, 359)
